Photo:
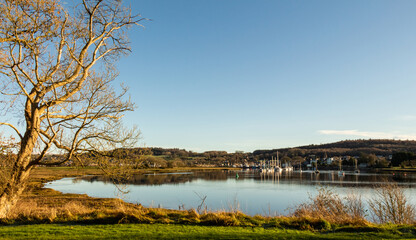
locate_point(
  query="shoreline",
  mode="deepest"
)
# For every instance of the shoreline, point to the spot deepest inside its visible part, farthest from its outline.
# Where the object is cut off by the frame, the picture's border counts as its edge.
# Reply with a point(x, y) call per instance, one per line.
point(44, 208)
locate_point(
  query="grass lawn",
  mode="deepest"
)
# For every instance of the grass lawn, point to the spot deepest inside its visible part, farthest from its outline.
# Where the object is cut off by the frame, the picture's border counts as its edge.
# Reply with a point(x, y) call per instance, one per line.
point(166, 231)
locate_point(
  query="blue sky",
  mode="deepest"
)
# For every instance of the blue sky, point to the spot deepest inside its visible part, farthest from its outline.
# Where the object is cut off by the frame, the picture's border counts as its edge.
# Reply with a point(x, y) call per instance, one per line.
point(246, 75)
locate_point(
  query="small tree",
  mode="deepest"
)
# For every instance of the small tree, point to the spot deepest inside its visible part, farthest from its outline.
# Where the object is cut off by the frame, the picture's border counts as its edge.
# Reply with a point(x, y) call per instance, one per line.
point(57, 68)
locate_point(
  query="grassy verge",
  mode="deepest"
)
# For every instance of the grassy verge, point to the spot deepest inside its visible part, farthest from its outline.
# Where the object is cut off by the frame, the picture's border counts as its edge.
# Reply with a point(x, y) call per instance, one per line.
point(165, 231)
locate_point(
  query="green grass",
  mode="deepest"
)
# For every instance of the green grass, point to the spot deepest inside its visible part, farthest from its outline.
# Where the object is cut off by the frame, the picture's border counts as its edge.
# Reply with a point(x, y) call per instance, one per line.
point(166, 231)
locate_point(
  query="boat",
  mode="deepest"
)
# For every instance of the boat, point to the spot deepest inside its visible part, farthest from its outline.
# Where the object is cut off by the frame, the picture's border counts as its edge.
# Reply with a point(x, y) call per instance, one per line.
point(356, 171)
point(316, 167)
point(266, 166)
point(289, 169)
point(340, 172)
point(277, 164)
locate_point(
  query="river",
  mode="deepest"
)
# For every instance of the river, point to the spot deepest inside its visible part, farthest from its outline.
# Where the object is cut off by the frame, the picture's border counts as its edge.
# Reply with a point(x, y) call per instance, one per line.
point(251, 191)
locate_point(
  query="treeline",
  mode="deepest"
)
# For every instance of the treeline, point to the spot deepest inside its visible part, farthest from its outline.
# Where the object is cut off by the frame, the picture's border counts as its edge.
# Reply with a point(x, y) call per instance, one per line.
point(367, 151)
point(370, 151)
point(166, 157)
point(383, 147)
point(403, 159)
point(175, 157)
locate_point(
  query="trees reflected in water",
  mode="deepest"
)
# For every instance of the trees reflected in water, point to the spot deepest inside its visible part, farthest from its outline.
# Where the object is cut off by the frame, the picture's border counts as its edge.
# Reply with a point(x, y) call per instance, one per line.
point(306, 177)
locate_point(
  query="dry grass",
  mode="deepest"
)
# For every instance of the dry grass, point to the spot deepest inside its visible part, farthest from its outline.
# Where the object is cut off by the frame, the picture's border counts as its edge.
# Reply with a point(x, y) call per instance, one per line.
point(390, 205)
point(67, 208)
point(329, 206)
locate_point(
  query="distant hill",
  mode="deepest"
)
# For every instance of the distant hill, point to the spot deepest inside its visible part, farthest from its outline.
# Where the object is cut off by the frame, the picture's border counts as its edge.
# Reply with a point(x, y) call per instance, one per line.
point(181, 157)
point(383, 147)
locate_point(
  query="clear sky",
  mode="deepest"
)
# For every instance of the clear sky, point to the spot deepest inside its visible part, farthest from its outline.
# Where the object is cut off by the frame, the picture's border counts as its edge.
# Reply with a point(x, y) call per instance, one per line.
point(261, 74)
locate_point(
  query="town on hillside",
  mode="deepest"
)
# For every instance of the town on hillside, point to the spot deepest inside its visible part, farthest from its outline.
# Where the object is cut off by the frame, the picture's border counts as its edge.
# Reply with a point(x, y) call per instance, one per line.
point(348, 154)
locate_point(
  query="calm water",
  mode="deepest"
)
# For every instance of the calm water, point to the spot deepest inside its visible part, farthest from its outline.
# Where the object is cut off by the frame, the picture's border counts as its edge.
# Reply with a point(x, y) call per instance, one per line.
point(252, 192)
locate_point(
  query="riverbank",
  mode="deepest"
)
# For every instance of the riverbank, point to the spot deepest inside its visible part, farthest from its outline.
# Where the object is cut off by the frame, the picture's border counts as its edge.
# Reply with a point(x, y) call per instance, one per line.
point(165, 231)
point(397, 169)
point(74, 215)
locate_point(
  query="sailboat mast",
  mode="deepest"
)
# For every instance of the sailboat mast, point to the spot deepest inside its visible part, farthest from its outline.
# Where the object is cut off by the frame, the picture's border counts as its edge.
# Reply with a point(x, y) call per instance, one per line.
point(277, 158)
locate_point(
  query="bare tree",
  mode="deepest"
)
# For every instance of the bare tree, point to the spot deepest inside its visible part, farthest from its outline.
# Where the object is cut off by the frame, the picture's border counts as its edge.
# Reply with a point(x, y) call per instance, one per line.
point(57, 69)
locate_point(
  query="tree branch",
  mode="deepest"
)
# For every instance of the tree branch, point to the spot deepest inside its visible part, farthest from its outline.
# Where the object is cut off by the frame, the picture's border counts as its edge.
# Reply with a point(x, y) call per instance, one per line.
point(13, 127)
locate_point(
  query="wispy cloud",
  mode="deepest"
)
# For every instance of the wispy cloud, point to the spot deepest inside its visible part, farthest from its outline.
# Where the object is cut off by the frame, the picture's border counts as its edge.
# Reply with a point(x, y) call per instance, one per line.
point(357, 133)
point(406, 118)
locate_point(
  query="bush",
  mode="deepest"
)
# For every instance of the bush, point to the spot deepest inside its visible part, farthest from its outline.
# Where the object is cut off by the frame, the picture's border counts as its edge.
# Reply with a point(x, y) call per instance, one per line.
point(390, 205)
point(329, 206)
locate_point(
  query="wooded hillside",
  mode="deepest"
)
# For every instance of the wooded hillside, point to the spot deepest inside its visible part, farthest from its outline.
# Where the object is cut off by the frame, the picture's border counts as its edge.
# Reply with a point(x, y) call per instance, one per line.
point(383, 147)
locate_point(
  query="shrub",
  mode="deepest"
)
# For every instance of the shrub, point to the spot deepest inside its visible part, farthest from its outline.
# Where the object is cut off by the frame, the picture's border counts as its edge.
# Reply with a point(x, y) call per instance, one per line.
point(390, 205)
point(329, 206)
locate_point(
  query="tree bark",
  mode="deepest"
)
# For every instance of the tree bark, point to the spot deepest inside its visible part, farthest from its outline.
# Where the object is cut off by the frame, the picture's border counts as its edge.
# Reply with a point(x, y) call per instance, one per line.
point(21, 168)
point(12, 191)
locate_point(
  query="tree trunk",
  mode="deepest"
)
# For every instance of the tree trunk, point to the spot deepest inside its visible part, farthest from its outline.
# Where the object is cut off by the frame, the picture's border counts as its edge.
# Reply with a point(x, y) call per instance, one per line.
point(12, 191)
point(20, 172)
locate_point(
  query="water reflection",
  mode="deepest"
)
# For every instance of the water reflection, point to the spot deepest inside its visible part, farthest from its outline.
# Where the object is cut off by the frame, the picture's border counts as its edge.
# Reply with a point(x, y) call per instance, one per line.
point(349, 179)
point(168, 178)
